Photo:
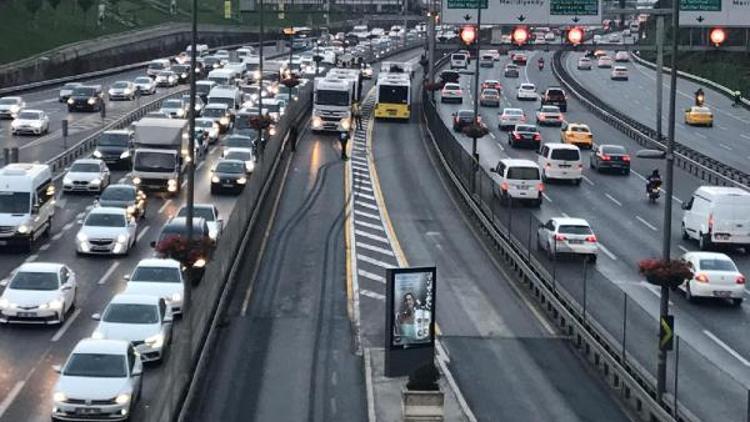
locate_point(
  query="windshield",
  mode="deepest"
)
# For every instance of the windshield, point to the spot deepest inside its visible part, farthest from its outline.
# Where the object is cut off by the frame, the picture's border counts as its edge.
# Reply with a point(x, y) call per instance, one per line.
point(565, 154)
point(226, 167)
point(84, 168)
point(333, 98)
point(547, 109)
point(490, 93)
point(180, 68)
point(223, 100)
point(613, 150)
point(96, 365)
point(199, 212)
point(172, 104)
point(131, 313)
point(393, 94)
point(154, 161)
point(113, 193)
point(156, 275)
point(204, 124)
point(25, 280)
point(29, 115)
point(213, 112)
point(579, 129)
point(8, 101)
point(220, 80)
point(239, 155)
point(513, 112)
point(523, 173)
point(528, 87)
point(458, 57)
point(14, 202)
point(717, 264)
point(114, 139)
point(525, 128)
point(143, 80)
point(570, 229)
point(156, 65)
point(120, 85)
point(84, 92)
point(105, 220)
point(203, 88)
point(236, 142)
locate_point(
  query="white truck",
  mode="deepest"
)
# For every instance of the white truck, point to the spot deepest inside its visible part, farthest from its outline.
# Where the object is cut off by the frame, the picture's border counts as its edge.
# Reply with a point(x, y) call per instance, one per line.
point(496, 36)
point(161, 149)
point(334, 95)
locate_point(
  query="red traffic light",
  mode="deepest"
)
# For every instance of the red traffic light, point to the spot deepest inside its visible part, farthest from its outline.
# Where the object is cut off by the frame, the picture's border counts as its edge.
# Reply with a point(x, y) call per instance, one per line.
point(575, 35)
point(520, 35)
point(468, 34)
point(717, 36)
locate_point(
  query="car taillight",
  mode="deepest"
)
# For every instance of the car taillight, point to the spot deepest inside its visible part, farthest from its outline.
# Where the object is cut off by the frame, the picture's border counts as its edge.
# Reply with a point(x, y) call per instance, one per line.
point(740, 279)
point(625, 158)
point(542, 117)
point(580, 166)
point(591, 238)
point(605, 157)
point(701, 278)
point(517, 135)
point(537, 137)
point(548, 165)
point(540, 187)
point(560, 237)
point(504, 186)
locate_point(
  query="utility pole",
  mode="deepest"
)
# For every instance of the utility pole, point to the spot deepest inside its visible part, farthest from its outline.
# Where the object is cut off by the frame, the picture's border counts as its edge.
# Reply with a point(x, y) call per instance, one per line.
point(260, 77)
point(431, 44)
point(476, 83)
point(661, 369)
point(659, 74)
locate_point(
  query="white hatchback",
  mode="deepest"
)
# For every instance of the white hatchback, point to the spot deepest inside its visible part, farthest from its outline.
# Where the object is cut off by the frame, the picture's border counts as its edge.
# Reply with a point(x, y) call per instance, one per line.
point(561, 161)
point(38, 293)
point(527, 91)
point(561, 235)
point(714, 275)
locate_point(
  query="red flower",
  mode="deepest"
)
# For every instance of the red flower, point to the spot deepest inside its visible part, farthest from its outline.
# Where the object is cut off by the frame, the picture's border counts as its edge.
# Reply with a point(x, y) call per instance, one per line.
point(670, 273)
point(475, 130)
point(178, 248)
point(260, 122)
point(434, 86)
point(291, 81)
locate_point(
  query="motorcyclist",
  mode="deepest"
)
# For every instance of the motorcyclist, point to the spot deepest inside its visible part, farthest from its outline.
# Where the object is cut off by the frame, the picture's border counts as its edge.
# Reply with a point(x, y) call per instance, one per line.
point(653, 181)
point(540, 62)
point(737, 98)
point(699, 97)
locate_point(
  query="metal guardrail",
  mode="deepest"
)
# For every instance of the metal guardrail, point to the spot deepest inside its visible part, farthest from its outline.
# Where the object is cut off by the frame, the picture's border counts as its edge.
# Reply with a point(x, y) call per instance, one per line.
point(690, 160)
point(695, 78)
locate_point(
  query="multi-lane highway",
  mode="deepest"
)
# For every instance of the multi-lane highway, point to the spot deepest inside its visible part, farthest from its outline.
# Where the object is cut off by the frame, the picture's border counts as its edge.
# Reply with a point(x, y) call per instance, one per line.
point(628, 228)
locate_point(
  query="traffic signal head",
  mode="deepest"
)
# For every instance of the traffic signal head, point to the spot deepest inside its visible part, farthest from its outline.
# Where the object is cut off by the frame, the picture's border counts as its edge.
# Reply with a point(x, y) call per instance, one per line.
point(468, 34)
point(520, 35)
point(575, 35)
point(717, 36)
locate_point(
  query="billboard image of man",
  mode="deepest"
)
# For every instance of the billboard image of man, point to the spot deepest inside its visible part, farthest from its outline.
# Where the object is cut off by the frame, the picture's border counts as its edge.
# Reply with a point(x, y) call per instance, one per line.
point(413, 300)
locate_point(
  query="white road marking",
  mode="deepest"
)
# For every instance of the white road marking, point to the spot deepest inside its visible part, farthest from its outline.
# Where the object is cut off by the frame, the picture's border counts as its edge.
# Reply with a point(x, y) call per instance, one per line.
point(11, 396)
point(198, 167)
point(645, 223)
point(371, 236)
point(109, 272)
point(371, 276)
point(166, 204)
point(682, 248)
point(726, 347)
point(367, 214)
point(364, 188)
point(80, 215)
point(612, 198)
point(375, 248)
point(587, 180)
point(374, 261)
point(44, 247)
point(359, 167)
point(744, 136)
point(122, 180)
point(371, 294)
point(369, 225)
point(31, 258)
point(366, 205)
point(607, 252)
point(142, 233)
point(492, 135)
point(57, 236)
point(726, 147)
point(722, 127)
point(360, 159)
point(68, 323)
point(700, 135)
point(544, 195)
point(67, 226)
point(364, 195)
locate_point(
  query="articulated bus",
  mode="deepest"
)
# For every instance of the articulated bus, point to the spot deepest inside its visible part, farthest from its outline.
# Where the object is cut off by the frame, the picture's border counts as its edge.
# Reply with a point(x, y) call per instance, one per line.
point(393, 99)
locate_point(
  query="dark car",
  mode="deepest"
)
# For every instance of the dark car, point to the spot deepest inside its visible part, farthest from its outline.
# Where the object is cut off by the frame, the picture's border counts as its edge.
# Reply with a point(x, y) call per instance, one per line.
point(462, 118)
point(525, 135)
point(182, 71)
point(555, 96)
point(520, 59)
point(86, 98)
point(125, 196)
point(228, 175)
point(610, 157)
point(450, 76)
point(211, 63)
point(114, 147)
point(172, 243)
point(511, 71)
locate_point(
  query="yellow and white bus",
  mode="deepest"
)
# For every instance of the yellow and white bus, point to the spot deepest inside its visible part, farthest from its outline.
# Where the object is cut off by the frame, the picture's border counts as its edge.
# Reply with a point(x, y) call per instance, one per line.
point(393, 99)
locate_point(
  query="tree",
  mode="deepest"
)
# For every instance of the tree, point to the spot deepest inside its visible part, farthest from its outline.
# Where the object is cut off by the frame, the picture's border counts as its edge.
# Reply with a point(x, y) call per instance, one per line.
point(54, 4)
point(33, 7)
point(85, 5)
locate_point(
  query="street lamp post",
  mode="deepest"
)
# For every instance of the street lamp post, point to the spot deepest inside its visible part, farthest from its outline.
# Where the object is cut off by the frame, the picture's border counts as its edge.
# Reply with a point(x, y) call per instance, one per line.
point(260, 76)
point(476, 82)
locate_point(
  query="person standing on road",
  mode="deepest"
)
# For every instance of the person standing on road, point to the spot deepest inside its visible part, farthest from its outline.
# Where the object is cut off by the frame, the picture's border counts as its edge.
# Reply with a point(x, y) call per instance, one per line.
point(343, 139)
point(293, 138)
point(357, 115)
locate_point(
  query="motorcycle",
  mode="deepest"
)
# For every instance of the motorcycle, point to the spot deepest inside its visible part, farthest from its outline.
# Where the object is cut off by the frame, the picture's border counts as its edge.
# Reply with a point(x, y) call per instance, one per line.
point(541, 65)
point(652, 191)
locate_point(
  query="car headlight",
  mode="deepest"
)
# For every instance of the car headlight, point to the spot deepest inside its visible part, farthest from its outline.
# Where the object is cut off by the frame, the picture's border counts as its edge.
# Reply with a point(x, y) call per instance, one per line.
point(125, 154)
point(4, 303)
point(23, 229)
point(71, 101)
point(250, 165)
point(215, 179)
point(81, 236)
point(127, 91)
point(224, 120)
point(199, 263)
point(91, 101)
point(98, 335)
point(242, 180)
point(56, 304)
point(176, 297)
point(14, 109)
point(345, 124)
point(155, 341)
point(136, 180)
point(97, 154)
point(96, 181)
point(180, 112)
point(317, 121)
point(122, 399)
point(272, 131)
point(67, 180)
point(184, 75)
point(59, 397)
point(122, 238)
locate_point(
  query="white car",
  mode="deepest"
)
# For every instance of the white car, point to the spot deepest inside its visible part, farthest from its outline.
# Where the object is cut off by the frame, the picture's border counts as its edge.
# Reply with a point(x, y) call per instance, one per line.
point(561, 235)
point(451, 92)
point(86, 175)
point(614, 38)
point(245, 155)
point(67, 90)
point(714, 275)
point(619, 73)
point(166, 78)
point(158, 277)
point(34, 122)
point(121, 90)
point(38, 293)
point(584, 63)
point(107, 230)
point(604, 62)
point(145, 85)
point(526, 91)
point(144, 321)
point(550, 36)
point(622, 56)
point(101, 380)
point(210, 213)
point(174, 107)
point(208, 125)
point(10, 107)
point(510, 117)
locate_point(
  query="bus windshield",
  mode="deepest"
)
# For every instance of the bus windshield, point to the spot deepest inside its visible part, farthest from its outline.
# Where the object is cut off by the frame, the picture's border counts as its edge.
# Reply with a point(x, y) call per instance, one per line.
point(390, 94)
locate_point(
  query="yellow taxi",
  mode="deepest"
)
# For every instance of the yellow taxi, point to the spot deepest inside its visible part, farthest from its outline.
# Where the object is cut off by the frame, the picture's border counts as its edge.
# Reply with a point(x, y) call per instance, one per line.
point(699, 115)
point(577, 134)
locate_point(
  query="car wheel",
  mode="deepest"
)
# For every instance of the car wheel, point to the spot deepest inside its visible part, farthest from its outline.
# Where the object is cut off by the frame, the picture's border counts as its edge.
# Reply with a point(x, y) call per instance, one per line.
point(704, 242)
point(48, 229)
point(538, 202)
point(592, 258)
point(577, 182)
point(737, 302)
point(685, 235)
point(626, 172)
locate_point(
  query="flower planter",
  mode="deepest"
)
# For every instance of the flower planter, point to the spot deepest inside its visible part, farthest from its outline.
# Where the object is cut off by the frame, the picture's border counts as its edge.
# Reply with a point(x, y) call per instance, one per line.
point(671, 273)
point(422, 406)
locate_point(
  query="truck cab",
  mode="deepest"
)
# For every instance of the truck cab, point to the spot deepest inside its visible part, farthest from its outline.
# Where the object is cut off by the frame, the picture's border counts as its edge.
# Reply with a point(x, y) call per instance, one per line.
point(161, 153)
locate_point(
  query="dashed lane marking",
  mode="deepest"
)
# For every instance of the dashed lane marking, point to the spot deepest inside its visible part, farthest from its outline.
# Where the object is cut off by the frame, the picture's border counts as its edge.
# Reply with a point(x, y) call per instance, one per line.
point(109, 272)
point(607, 252)
point(11, 396)
point(726, 147)
point(646, 223)
point(371, 294)
point(165, 205)
point(546, 197)
point(612, 198)
point(68, 322)
point(726, 347)
point(44, 247)
point(31, 258)
point(142, 233)
point(57, 236)
point(682, 248)
point(587, 180)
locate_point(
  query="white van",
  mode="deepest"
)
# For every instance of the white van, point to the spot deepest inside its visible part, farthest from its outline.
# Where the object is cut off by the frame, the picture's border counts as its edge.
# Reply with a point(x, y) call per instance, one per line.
point(223, 76)
point(717, 215)
point(156, 66)
point(200, 49)
point(27, 203)
point(459, 60)
point(226, 94)
point(561, 161)
point(520, 180)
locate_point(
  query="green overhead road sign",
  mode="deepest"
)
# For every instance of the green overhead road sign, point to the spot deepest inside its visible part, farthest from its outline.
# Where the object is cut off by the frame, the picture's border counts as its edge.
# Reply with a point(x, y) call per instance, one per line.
point(709, 13)
point(465, 4)
point(574, 7)
point(700, 5)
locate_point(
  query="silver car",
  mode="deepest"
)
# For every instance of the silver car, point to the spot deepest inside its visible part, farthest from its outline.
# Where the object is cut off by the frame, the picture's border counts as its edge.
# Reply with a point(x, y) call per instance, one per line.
point(122, 90)
point(145, 85)
point(86, 175)
point(561, 235)
point(67, 90)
